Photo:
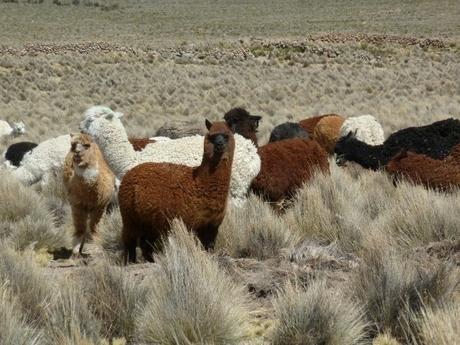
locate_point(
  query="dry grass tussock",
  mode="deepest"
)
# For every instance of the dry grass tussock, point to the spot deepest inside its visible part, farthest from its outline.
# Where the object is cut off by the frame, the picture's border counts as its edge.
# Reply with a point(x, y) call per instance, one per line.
point(438, 325)
point(394, 288)
point(25, 220)
point(191, 301)
point(317, 316)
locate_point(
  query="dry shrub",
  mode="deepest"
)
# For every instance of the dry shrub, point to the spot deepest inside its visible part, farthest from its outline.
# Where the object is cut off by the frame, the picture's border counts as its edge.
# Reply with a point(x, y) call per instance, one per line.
point(25, 280)
point(108, 236)
point(254, 231)
point(192, 301)
point(114, 298)
point(385, 339)
point(317, 316)
point(340, 207)
point(70, 320)
point(418, 216)
point(393, 288)
point(438, 325)
point(13, 326)
point(23, 225)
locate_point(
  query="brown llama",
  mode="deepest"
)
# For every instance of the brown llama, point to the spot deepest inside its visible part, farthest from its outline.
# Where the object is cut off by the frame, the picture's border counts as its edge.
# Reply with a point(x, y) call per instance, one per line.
point(432, 173)
point(90, 185)
point(327, 131)
point(151, 195)
point(285, 164)
point(310, 123)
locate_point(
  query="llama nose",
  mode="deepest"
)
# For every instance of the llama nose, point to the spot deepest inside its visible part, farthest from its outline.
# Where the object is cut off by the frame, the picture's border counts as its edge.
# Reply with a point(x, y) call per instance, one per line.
point(340, 160)
point(219, 143)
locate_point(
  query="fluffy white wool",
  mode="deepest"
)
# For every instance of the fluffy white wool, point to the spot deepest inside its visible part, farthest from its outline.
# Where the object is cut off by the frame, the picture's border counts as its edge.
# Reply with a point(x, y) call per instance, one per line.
point(43, 161)
point(366, 129)
point(108, 132)
point(7, 130)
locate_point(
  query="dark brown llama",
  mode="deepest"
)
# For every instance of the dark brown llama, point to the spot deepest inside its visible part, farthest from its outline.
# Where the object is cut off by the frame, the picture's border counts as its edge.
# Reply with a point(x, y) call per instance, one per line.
point(152, 194)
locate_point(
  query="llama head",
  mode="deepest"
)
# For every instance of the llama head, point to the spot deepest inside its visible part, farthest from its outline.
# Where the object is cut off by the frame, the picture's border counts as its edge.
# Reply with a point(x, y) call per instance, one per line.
point(82, 148)
point(344, 148)
point(243, 123)
point(19, 128)
point(97, 116)
point(219, 140)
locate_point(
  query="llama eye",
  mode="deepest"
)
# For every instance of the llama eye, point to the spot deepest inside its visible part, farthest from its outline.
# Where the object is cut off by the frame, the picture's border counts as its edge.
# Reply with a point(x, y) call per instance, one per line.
point(86, 146)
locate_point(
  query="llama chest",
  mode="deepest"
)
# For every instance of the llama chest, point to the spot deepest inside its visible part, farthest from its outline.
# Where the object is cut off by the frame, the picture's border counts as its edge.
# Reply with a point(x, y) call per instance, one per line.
point(88, 175)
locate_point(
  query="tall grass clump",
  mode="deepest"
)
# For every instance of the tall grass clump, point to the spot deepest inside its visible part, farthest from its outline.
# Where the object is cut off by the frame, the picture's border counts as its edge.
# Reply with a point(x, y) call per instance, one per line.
point(340, 207)
point(114, 298)
point(393, 288)
point(14, 329)
point(108, 236)
point(317, 316)
point(24, 218)
point(438, 325)
point(254, 231)
point(192, 301)
point(70, 320)
point(418, 216)
point(25, 280)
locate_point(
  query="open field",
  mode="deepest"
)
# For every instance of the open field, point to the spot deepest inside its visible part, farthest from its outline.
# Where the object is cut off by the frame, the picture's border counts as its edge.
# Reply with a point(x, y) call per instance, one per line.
point(354, 260)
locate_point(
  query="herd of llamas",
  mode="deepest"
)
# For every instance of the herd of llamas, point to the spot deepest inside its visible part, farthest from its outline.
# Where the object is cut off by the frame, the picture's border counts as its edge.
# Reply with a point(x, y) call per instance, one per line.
point(195, 172)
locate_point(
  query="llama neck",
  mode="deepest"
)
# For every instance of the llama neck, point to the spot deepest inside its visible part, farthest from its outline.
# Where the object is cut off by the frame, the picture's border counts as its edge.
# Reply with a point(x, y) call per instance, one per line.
point(90, 172)
point(116, 149)
point(368, 156)
point(214, 174)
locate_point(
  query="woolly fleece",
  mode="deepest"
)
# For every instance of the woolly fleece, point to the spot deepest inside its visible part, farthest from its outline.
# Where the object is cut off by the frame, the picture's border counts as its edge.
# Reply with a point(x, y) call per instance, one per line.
point(105, 126)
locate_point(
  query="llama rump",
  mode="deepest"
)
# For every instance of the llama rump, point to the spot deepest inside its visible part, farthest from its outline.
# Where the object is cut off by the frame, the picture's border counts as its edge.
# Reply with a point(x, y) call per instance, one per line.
point(90, 185)
point(310, 123)
point(327, 131)
point(151, 195)
point(435, 140)
point(15, 152)
point(287, 130)
point(285, 165)
point(432, 173)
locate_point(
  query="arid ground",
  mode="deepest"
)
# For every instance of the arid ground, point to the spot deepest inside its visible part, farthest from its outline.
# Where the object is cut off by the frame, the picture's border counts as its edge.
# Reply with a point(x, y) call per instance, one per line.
point(353, 260)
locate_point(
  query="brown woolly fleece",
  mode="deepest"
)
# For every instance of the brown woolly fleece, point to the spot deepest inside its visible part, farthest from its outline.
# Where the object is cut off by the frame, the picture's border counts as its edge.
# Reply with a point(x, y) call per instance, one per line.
point(140, 143)
point(89, 184)
point(286, 165)
point(152, 194)
point(432, 173)
point(310, 123)
point(327, 131)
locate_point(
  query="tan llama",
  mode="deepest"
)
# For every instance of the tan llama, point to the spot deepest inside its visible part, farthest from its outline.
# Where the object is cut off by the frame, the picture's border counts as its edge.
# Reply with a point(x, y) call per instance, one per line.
point(90, 185)
point(153, 194)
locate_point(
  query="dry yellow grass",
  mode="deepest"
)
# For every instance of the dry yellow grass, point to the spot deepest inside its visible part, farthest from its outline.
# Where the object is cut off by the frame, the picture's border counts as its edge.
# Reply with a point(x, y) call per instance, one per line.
point(163, 60)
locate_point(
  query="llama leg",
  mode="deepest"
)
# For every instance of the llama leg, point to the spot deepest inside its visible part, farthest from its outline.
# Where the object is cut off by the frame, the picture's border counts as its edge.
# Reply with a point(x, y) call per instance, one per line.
point(149, 244)
point(207, 235)
point(94, 219)
point(129, 239)
point(80, 220)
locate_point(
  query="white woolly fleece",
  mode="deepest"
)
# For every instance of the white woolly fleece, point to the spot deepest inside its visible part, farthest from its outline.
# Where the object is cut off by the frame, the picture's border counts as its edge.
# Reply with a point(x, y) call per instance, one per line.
point(7, 130)
point(367, 129)
point(44, 160)
point(108, 132)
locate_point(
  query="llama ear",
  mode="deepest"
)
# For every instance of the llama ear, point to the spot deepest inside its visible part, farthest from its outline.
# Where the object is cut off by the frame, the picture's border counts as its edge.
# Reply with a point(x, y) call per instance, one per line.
point(355, 132)
point(72, 135)
point(208, 124)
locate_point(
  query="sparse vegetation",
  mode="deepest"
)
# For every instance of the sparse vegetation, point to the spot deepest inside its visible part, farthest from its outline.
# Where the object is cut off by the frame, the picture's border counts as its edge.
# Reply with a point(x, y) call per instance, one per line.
point(191, 300)
point(317, 316)
point(353, 260)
